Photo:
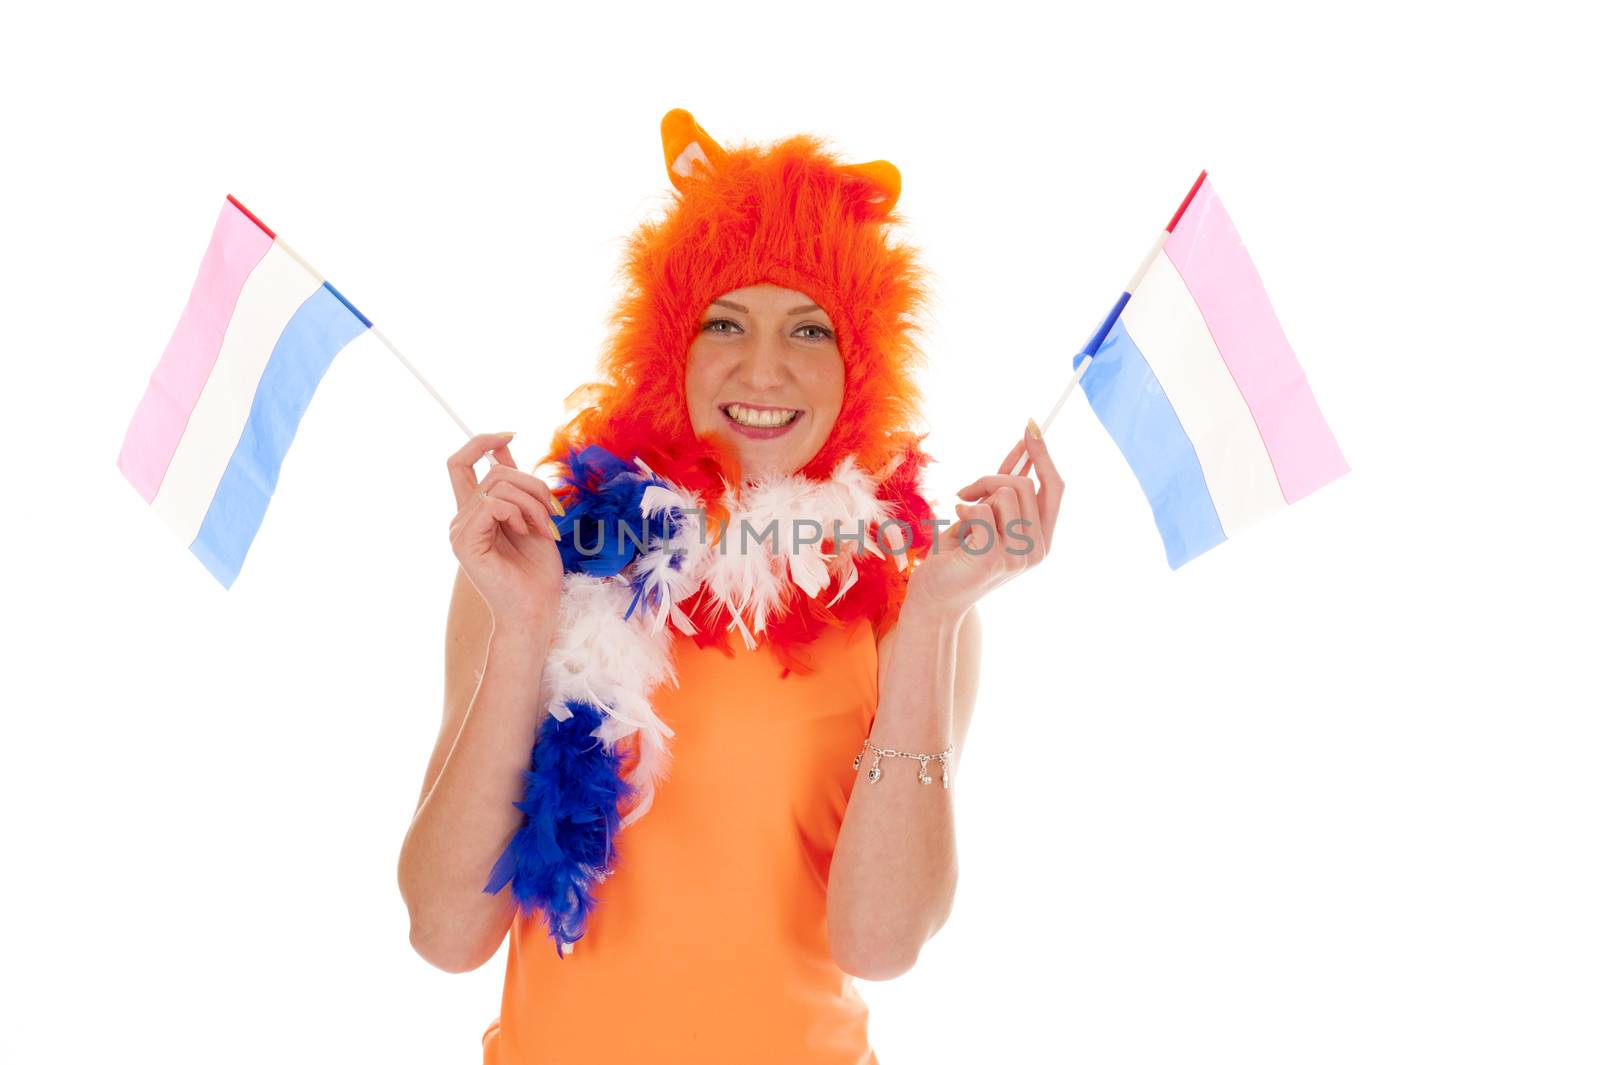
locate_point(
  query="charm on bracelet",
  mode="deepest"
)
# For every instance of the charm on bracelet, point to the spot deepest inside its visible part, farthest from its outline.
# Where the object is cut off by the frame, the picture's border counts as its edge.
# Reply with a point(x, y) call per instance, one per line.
point(875, 772)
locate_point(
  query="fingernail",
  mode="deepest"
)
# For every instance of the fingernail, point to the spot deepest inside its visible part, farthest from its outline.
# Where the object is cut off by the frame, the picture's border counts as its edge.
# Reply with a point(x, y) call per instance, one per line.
point(505, 436)
point(560, 510)
point(555, 534)
point(1033, 430)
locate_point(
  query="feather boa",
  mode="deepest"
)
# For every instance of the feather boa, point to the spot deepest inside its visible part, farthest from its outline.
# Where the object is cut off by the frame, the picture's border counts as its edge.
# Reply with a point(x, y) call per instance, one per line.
point(642, 553)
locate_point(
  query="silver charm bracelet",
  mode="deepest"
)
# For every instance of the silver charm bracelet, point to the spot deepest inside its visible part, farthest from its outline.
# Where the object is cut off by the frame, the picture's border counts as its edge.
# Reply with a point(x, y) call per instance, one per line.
point(875, 772)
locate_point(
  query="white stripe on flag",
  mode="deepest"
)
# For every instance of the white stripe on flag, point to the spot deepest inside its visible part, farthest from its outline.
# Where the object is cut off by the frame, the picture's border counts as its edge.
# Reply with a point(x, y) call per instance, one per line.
point(276, 289)
point(1166, 325)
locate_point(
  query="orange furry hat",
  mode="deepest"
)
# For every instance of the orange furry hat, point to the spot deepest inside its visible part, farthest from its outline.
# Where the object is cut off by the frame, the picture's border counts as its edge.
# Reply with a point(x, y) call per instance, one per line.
point(788, 214)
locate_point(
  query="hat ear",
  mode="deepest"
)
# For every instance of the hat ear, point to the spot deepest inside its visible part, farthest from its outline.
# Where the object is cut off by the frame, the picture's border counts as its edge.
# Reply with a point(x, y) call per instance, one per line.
point(884, 177)
point(690, 151)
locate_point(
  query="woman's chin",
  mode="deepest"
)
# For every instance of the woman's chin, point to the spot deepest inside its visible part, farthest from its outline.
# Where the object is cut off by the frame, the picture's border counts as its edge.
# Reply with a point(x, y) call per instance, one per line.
point(758, 461)
point(753, 468)
point(764, 458)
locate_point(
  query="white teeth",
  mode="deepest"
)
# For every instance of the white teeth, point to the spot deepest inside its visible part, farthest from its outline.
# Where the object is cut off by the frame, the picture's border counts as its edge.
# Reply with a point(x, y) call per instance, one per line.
point(761, 419)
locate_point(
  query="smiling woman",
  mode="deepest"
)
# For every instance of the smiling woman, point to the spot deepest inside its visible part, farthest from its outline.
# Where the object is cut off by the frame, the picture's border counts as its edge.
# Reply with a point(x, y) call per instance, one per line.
point(758, 382)
point(765, 367)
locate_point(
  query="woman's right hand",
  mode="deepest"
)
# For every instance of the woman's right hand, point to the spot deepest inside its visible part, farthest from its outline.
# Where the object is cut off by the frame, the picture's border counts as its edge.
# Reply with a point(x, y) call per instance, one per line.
point(503, 534)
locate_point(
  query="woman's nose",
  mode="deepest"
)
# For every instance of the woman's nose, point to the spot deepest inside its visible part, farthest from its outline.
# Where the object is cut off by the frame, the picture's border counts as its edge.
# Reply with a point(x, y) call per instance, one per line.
point(764, 366)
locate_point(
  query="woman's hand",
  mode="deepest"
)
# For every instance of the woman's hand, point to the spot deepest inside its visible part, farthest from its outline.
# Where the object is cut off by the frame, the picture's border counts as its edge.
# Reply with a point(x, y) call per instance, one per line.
point(1005, 530)
point(503, 534)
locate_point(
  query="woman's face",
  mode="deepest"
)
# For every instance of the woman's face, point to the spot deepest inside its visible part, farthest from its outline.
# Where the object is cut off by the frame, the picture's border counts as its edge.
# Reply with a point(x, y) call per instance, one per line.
point(765, 372)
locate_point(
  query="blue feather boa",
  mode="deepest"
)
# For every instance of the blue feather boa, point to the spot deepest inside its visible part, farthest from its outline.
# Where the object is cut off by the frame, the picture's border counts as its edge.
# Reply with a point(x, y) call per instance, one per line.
point(567, 839)
point(602, 530)
point(575, 785)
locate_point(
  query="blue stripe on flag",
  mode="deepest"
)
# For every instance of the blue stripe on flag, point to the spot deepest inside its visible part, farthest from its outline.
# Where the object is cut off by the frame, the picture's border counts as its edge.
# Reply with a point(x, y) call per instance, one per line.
point(352, 307)
point(1134, 408)
point(317, 332)
point(1100, 334)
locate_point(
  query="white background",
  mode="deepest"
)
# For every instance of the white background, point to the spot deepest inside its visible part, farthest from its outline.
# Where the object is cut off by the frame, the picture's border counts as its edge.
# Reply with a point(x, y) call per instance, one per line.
point(1327, 794)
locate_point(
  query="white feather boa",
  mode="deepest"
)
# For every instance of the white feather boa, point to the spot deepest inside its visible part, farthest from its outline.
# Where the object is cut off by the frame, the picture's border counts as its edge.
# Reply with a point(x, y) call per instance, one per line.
point(614, 662)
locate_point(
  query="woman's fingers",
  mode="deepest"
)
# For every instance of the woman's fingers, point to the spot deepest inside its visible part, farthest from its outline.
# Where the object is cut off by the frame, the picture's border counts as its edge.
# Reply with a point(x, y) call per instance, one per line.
point(1019, 532)
point(508, 513)
point(534, 486)
point(990, 481)
point(533, 510)
point(1026, 551)
point(976, 527)
point(1028, 505)
point(1007, 508)
point(475, 526)
point(1050, 484)
point(463, 480)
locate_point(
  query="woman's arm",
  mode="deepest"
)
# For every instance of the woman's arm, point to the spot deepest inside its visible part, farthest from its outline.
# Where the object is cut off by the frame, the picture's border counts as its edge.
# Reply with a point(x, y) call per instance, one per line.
point(465, 817)
point(503, 614)
point(893, 879)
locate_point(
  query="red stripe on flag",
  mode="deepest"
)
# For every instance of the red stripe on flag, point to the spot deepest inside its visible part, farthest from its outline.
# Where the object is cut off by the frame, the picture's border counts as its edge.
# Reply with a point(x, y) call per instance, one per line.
point(274, 236)
point(1182, 207)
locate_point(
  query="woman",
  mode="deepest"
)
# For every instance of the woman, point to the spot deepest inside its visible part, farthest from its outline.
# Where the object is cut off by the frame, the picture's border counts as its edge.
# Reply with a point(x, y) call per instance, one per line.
point(717, 825)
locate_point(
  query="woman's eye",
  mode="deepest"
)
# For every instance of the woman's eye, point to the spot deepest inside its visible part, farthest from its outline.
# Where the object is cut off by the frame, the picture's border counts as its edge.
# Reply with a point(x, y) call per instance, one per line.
point(711, 326)
point(820, 334)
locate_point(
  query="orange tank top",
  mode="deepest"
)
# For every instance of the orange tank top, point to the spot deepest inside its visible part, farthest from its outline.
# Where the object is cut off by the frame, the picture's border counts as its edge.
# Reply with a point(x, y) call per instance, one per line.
point(708, 944)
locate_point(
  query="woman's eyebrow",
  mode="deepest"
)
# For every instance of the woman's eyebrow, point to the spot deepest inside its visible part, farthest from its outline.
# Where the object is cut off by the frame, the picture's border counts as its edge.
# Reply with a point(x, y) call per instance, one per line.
point(746, 310)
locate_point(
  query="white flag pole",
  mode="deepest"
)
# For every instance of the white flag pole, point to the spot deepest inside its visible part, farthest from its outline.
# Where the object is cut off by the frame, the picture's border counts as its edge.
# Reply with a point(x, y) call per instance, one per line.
point(434, 392)
point(1022, 460)
point(1100, 334)
point(375, 331)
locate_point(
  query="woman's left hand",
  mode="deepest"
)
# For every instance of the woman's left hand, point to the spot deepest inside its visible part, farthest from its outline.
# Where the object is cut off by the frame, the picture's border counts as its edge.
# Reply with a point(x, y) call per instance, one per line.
point(1006, 528)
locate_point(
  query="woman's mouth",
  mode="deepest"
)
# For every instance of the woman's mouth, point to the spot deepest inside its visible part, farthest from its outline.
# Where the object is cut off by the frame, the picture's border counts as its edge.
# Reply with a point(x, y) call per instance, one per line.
point(761, 423)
